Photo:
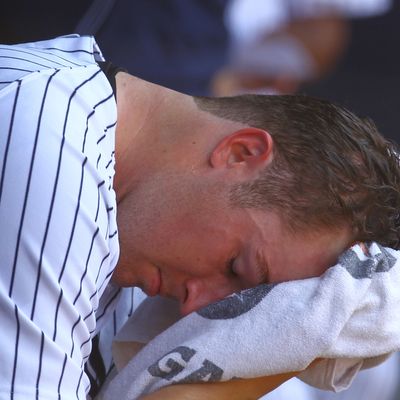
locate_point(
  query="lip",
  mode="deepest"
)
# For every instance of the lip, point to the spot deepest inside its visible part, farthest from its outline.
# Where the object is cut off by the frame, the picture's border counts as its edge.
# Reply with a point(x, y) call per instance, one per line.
point(153, 289)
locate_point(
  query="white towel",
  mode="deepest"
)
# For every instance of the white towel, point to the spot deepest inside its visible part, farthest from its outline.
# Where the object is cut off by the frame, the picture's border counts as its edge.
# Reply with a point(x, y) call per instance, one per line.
point(348, 316)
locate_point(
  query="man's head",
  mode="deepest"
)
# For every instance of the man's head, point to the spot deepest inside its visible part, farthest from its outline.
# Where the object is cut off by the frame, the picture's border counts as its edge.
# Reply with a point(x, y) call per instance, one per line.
point(330, 167)
point(224, 194)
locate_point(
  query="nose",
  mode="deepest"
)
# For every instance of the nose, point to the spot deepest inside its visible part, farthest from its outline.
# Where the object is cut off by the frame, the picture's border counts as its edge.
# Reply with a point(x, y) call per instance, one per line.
point(201, 293)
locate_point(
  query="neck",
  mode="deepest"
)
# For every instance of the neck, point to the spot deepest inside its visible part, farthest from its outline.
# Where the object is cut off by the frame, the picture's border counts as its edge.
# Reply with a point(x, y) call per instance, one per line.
point(141, 119)
point(159, 128)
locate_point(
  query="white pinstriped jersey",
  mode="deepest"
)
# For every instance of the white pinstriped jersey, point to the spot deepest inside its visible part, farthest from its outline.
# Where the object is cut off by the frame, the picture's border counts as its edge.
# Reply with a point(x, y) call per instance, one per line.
point(59, 241)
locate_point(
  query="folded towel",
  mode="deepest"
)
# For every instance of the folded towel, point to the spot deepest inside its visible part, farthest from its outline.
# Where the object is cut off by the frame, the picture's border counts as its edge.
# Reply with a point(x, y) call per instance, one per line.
point(348, 317)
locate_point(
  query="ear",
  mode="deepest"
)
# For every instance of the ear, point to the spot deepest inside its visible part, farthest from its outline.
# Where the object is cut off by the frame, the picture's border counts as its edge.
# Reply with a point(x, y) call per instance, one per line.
point(249, 148)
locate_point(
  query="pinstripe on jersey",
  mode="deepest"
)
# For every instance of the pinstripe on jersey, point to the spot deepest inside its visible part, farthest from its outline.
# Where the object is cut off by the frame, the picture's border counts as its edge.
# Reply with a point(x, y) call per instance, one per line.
point(59, 241)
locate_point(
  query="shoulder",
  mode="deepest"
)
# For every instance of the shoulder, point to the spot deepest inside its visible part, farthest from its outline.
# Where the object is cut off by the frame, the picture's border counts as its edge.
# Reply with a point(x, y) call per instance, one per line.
point(62, 53)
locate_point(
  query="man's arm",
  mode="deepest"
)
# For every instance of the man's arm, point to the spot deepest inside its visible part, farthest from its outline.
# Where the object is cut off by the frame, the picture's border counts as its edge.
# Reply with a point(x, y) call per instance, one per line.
point(240, 389)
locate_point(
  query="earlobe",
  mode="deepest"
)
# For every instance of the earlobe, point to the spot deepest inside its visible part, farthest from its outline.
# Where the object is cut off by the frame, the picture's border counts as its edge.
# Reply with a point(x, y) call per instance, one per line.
point(250, 148)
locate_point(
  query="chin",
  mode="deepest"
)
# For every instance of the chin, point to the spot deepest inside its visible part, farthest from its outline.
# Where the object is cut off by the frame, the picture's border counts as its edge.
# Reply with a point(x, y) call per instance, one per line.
point(122, 280)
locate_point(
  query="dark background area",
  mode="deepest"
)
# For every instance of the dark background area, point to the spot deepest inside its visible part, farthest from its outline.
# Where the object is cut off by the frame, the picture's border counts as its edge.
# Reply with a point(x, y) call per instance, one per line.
point(367, 79)
point(28, 21)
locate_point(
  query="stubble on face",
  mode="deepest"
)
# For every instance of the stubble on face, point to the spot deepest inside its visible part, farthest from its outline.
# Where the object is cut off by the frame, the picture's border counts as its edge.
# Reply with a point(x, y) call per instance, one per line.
point(177, 231)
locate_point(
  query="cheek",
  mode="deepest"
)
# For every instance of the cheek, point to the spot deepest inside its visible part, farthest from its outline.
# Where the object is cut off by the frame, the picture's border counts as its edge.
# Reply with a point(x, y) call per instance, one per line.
point(315, 268)
point(315, 265)
point(301, 267)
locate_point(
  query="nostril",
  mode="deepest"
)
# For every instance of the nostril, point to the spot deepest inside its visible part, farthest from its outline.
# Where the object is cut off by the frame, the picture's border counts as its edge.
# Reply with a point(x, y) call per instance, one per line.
point(192, 299)
point(186, 295)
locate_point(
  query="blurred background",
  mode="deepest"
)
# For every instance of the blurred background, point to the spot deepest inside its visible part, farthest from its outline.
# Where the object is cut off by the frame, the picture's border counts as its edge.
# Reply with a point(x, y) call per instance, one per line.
point(342, 50)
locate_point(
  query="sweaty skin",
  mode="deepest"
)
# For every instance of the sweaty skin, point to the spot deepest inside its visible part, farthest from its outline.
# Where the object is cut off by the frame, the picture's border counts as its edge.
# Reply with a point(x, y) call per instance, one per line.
point(180, 236)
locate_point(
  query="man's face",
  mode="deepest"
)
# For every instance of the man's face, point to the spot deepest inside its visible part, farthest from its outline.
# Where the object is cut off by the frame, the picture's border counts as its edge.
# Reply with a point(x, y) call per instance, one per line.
point(199, 250)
